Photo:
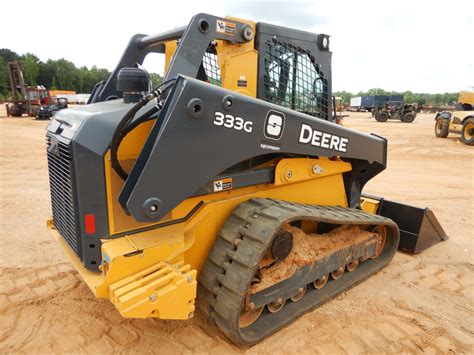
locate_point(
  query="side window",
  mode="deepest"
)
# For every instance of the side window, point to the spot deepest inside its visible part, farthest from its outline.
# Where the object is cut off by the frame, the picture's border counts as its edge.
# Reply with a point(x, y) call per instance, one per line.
point(293, 80)
point(209, 70)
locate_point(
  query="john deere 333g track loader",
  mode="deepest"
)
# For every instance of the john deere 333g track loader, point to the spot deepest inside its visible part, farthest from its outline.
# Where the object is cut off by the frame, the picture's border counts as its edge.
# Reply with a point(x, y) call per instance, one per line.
point(228, 187)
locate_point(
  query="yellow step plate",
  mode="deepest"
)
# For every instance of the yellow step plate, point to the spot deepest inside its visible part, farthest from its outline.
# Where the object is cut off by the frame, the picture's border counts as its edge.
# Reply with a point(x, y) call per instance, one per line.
point(165, 291)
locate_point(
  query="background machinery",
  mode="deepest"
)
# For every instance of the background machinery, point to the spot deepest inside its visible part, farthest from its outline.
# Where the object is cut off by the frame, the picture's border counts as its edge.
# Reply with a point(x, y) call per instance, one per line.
point(54, 105)
point(32, 100)
point(26, 99)
point(228, 187)
point(394, 110)
point(458, 122)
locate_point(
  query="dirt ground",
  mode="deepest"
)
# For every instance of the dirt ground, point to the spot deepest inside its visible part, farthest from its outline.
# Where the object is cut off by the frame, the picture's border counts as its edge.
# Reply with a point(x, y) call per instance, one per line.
point(421, 303)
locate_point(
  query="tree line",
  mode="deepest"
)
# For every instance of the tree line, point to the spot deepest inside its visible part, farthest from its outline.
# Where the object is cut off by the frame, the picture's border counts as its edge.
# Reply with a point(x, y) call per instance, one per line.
point(59, 74)
point(447, 98)
point(62, 74)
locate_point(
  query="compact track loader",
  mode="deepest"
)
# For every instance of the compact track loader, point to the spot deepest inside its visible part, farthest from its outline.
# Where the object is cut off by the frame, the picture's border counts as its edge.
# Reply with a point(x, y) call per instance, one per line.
point(228, 187)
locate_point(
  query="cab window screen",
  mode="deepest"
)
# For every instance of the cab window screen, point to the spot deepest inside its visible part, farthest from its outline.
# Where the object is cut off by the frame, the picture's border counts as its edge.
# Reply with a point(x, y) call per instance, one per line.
point(292, 79)
point(210, 70)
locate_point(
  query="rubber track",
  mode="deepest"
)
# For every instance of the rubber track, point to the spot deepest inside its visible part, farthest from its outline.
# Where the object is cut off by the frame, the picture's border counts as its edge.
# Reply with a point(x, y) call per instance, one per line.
point(241, 244)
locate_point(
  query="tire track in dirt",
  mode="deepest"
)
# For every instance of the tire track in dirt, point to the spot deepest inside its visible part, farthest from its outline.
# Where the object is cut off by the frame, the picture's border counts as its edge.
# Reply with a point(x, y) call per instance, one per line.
point(455, 279)
point(421, 303)
point(53, 303)
point(393, 332)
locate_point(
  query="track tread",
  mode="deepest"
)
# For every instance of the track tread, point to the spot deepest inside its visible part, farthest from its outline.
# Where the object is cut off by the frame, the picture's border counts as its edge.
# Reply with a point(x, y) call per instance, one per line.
point(227, 273)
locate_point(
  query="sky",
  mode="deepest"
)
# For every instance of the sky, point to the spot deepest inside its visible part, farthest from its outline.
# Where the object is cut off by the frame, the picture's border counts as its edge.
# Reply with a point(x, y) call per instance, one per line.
point(421, 46)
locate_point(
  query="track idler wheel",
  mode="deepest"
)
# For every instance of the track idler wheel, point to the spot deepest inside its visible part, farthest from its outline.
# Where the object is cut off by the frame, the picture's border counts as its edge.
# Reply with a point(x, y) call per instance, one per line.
point(276, 306)
point(321, 282)
point(249, 317)
point(381, 232)
point(336, 274)
point(352, 265)
point(299, 294)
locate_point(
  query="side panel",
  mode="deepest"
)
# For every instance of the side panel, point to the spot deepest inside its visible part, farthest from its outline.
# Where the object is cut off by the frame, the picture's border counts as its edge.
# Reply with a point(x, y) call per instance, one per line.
point(185, 149)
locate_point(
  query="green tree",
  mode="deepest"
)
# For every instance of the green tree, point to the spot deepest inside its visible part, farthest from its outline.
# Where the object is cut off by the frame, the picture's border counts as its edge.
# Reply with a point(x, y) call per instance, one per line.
point(346, 96)
point(8, 55)
point(31, 67)
point(156, 79)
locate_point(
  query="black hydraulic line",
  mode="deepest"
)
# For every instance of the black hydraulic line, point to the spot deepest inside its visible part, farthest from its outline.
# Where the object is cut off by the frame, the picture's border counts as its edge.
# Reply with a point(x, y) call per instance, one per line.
point(127, 118)
point(143, 118)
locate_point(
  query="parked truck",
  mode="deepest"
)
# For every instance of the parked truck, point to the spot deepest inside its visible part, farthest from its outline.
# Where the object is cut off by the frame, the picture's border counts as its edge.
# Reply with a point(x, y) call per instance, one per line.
point(369, 102)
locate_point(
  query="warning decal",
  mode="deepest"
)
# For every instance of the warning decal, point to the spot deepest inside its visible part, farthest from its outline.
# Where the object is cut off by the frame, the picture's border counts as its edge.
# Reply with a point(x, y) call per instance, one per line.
point(222, 185)
point(225, 27)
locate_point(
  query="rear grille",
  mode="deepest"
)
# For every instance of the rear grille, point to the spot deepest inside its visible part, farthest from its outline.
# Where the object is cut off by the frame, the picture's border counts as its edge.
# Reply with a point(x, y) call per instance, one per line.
point(62, 192)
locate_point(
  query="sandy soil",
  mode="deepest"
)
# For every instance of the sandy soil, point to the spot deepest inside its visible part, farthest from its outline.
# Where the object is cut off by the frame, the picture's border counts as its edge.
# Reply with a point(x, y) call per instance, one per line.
point(421, 303)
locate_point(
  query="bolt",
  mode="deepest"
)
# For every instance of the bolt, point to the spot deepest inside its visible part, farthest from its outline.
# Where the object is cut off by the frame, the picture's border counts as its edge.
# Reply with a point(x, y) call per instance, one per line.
point(289, 174)
point(191, 314)
point(153, 208)
point(190, 279)
point(251, 306)
point(317, 169)
point(279, 300)
point(153, 297)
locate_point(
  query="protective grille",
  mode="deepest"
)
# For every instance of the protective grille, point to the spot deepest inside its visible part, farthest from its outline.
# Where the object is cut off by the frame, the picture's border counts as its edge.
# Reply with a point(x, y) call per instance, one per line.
point(211, 68)
point(292, 79)
point(62, 193)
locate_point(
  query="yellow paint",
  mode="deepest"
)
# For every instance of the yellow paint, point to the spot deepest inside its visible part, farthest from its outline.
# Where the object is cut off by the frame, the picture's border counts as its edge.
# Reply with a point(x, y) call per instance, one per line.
point(91, 278)
point(455, 128)
point(137, 266)
point(461, 117)
point(239, 62)
point(165, 291)
point(466, 97)
point(189, 242)
point(170, 48)
point(369, 205)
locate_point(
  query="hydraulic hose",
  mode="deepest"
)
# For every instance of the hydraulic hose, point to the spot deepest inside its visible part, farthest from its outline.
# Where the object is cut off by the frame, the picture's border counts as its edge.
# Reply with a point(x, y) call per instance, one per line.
point(121, 130)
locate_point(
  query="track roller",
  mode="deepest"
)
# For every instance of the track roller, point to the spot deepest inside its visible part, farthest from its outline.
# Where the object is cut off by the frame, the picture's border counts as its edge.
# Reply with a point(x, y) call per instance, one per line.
point(337, 274)
point(240, 279)
point(276, 306)
point(298, 295)
point(352, 265)
point(321, 282)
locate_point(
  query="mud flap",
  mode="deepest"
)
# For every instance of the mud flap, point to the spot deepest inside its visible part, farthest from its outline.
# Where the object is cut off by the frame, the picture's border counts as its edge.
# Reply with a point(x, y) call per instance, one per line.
point(419, 227)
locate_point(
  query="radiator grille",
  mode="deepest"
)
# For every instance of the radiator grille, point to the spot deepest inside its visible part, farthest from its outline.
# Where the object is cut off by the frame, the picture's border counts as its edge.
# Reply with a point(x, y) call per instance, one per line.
point(62, 192)
point(293, 79)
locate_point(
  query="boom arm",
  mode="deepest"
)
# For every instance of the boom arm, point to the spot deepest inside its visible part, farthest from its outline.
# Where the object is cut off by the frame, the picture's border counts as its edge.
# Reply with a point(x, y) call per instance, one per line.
point(203, 130)
point(193, 42)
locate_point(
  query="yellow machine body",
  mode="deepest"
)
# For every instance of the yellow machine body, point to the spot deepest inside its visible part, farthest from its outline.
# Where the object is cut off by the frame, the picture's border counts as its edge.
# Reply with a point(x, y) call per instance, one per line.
point(466, 97)
point(456, 123)
point(154, 273)
point(187, 244)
